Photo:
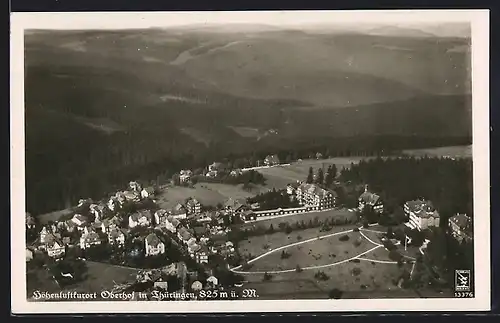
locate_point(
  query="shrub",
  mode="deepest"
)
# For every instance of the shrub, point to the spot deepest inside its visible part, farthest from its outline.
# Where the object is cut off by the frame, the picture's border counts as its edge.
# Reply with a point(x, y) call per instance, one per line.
point(321, 276)
point(357, 243)
point(298, 269)
point(355, 230)
point(356, 271)
point(267, 276)
point(299, 237)
point(285, 255)
point(335, 293)
point(344, 238)
point(395, 256)
point(357, 261)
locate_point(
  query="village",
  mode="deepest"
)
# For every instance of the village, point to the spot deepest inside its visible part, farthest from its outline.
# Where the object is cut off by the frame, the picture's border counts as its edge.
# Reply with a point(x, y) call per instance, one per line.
point(190, 246)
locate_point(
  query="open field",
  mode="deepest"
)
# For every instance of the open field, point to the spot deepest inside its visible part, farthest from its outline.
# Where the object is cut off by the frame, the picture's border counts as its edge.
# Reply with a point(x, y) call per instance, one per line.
point(451, 151)
point(371, 278)
point(297, 171)
point(40, 279)
point(339, 214)
point(316, 253)
point(206, 193)
point(102, 277)
point(254, 246)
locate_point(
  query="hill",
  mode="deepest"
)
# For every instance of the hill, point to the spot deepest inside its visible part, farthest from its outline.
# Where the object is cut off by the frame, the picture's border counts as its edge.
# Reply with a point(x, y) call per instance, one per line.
point(103, 107)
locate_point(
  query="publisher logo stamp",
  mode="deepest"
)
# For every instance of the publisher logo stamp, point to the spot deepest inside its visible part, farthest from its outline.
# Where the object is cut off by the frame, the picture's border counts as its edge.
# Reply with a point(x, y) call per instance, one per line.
point(462, 280)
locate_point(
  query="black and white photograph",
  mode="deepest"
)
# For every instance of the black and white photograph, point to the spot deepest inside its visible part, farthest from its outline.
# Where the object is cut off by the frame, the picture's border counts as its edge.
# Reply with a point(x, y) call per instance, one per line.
point(283, 161)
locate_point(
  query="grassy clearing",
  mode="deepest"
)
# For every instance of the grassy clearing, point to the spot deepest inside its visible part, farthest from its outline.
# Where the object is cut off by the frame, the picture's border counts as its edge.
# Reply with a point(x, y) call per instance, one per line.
point(41, 280)
point(451, 151)
point(299, 170)
point(206, 193)
point(101, 277)
point(340, 215)
point(316, 253)
point(254, 246)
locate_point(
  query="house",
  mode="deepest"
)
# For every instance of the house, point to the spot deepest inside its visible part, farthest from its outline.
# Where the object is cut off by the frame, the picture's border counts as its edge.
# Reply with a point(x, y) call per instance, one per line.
point(248, 215)
point(79, 220)
point(212, 281)
point(98, 226)
point(89, 238)
point(141, 218)
point(109, 224)
point(236, 172)
point(120, 198)
point(147, 192)
point(319, 155)
point(461, 227)
point(97, 211)
point(134, 186)
point(161, 217)
point(83, 202)
point(179, 212)
point(421, 214)
point(131, 196)
point(116, 237)
point(272, 160)
point(201, 255)
point(29, 255)
point(185, 176)
point(113, 203)
point(370, 199)
point(314, 196)
point(193, 206)
point(69, 225)
point(184, 235)
point(215, 169)
point(200, 231)
point(233, 206)
point(154, 246)
point(44, 234)
point(30, 221)
point(172, 224)
point(291, 188)
point(55, 249)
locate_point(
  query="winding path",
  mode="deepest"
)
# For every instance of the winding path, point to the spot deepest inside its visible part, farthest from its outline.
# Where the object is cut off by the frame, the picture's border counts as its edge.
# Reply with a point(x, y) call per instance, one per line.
point(377, 245)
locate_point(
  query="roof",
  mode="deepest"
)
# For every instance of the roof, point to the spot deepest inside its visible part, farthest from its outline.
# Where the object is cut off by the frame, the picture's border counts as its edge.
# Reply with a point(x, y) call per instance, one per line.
point(272, 159)
point(233, 204)
point(140, 214)
point(115, 233)
point(422, 208)
point(369, 198)
point(91, 237)
point(161, 213)
point(173, 220)
point(315, 190)
point(463, 221)
point(149, 189)
point(294, 185)
point(186, 172)
point(184, 233)
point(178, 209)
point(200, 230)
point(80, 218)
point(153, 240)
point(192, 201)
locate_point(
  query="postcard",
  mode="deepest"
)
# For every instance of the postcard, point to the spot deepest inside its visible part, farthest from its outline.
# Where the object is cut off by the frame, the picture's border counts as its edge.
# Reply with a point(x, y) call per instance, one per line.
point(272, 161)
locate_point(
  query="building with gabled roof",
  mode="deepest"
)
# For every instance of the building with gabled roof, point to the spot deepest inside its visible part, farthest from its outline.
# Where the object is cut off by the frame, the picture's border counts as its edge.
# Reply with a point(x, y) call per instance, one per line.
point(89, 238)
point(421, 214)
point(193, 206)
point(141, 218)
point(153, 245)
point(370, 199)
point(179, 211)
point(116, 237)
point(314, 196)
point(272, 160)
point(461, 227)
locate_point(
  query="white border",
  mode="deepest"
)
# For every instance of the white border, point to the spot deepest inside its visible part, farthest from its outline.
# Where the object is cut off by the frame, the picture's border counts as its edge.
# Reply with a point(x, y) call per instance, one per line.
point(479, 20)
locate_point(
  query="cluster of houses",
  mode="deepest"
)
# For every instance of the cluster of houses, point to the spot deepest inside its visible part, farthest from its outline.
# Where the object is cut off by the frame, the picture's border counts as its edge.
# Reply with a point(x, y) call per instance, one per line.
point(185, 223)
point(312, 195)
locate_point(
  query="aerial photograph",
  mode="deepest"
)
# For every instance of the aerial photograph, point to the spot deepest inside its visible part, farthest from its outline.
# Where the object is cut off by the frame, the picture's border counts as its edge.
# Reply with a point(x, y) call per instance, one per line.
point(249, 161)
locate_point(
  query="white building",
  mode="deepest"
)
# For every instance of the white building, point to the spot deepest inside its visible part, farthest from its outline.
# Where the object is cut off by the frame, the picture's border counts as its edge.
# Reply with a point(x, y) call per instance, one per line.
point(314, 196)
point(461, 227)
point(421, 214)
point(154, 246)
point(370, 199)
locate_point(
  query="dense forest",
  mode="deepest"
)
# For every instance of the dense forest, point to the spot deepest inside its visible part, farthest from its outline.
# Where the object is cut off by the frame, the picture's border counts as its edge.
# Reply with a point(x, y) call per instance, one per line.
point(446, 182)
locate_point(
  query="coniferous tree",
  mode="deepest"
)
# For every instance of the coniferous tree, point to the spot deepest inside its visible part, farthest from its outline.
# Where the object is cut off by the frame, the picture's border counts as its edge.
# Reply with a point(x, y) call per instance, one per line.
point(321, 177)
point(310, 176)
